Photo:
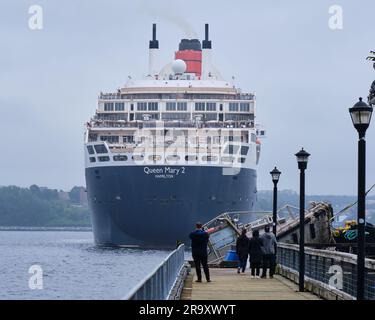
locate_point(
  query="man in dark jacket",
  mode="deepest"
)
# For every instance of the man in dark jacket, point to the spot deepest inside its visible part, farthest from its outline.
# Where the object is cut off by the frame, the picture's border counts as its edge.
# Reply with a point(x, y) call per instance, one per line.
point(242, 249)
point(199, 242)
point(269, 247)
point(256, 254)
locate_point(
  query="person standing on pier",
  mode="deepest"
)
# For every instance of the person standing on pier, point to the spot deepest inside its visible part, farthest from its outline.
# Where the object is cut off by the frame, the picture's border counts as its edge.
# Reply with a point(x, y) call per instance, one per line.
point(269, 247)
point(256, 255)
point(199, 242)
point(242, 250)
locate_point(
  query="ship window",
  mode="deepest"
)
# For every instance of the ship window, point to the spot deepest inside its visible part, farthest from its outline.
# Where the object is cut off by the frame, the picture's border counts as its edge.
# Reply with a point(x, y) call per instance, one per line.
point(233, 106)
point(239, 117)
point(191, 158)
point(90, 149)
point(119, 106)
point(153, 106)
point(93, 137)
point(103, 159)
point(210, 116)
point(244, 150)
point(120, 158)
point(227, 159)
point(209, 158)
point(108, 106)
point(111, 116)
point(92, 159)
point(170, 106)
point(138, 157)
point(206, 116)
point(151, 116)
point(110, 139)
point(128, 139)
point(245, 106)
point(241, 160)
point(154, 157)
point(211, 106)
point(141, 106)
point(175, 116)
point(173, 157)
point(231, 149)
point(253, 137)
point(199, 106)
point(182, 106)
point(100, 148)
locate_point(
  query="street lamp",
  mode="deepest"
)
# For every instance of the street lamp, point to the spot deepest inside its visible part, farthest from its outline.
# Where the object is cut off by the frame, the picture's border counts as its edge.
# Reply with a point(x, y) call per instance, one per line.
point(361, 116)
point(275, 174)
point(302, 158)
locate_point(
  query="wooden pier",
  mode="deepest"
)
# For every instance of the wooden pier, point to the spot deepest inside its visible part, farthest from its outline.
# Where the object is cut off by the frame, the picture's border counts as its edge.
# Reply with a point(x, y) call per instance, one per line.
point(228, 285)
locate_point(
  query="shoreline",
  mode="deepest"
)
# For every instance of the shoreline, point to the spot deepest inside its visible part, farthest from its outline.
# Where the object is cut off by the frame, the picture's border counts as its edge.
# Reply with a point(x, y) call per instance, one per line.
point(24, 228)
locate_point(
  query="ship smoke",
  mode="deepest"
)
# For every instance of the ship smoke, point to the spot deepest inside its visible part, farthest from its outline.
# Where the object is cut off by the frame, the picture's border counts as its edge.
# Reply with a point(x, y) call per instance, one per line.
point(171, 17)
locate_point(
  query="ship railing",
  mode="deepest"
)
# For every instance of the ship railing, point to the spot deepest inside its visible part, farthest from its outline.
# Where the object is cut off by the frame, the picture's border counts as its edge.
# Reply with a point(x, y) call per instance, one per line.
point(328, 270)
point(174, 96)
point(169, 124)
point(159, 284)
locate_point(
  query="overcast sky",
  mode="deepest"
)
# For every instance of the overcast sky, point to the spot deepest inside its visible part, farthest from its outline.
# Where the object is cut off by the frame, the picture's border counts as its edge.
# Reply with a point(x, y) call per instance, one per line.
point(305, 75)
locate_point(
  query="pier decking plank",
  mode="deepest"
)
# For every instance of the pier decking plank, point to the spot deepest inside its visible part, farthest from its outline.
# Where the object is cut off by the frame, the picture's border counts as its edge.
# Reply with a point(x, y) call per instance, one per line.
point(228, 285)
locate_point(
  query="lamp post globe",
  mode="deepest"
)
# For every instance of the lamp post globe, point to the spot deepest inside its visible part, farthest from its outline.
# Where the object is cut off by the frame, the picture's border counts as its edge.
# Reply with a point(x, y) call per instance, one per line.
point(275, 174)
point(302, 159)
point(361, 114)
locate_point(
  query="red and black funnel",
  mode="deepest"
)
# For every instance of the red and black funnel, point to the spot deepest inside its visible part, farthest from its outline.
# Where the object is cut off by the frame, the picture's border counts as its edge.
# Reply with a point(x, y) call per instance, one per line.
point(190, 51)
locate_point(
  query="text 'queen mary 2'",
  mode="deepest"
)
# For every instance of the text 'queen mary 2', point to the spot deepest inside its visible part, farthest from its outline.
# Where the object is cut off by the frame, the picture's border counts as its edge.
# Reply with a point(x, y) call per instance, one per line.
point(179, 146)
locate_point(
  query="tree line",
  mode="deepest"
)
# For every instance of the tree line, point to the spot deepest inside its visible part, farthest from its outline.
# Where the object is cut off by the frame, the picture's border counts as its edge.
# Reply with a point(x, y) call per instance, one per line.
point(41, 207)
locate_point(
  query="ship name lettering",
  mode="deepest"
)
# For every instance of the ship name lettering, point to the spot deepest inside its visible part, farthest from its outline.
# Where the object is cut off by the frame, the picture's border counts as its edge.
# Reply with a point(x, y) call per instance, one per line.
point(172, 170)
point(148, 170)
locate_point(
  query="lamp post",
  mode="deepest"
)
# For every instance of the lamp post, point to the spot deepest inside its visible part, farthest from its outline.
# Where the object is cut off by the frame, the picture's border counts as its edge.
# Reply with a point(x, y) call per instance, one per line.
point(275, 174)
point(302, 158)
point(361, 116)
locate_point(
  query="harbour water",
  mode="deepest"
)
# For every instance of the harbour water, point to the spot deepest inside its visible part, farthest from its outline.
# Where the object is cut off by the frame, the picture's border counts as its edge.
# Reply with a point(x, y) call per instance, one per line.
point(73, 267)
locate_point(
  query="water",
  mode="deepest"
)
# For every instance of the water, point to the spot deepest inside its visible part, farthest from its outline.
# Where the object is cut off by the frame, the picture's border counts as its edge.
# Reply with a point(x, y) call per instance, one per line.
point(73, 267)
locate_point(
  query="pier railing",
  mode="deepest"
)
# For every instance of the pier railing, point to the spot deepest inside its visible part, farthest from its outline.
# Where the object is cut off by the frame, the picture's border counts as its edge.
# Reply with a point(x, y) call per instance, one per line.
point(159, 283)
point(335, 271)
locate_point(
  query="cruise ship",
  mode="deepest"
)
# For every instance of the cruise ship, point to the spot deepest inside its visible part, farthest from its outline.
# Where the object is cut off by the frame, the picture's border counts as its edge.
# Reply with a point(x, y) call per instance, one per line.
point(179, 145)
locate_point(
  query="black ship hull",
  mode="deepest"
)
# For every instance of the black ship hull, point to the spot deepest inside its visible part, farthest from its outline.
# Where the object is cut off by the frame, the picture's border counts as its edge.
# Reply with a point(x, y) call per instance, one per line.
point(157, 206)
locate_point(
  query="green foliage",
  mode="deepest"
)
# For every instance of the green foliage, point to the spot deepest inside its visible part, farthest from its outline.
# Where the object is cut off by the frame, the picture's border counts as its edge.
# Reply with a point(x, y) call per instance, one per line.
point(39, 207)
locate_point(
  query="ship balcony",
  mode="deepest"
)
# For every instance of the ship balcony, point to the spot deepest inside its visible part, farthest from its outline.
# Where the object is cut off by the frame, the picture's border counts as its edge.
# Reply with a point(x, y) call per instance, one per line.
point(139, 124)
point(174, 96)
